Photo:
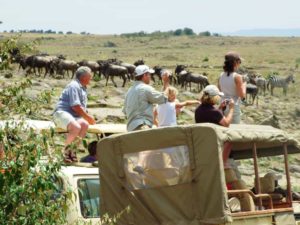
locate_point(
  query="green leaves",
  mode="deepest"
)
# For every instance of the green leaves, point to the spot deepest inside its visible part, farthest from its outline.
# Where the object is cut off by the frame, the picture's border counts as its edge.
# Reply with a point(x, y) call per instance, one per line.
point(15, 102)
point(27, 189)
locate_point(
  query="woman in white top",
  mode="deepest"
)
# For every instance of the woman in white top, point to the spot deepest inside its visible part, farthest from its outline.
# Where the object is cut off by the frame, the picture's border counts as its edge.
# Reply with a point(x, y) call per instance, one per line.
point(232, 85)
point(166, 114)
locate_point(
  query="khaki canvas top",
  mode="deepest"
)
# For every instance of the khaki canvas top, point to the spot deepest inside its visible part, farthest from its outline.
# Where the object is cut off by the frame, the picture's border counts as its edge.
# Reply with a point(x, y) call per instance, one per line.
point(197, 193)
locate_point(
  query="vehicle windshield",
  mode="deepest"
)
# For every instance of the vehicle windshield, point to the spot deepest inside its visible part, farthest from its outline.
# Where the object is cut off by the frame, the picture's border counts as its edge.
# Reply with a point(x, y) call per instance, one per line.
point(88, 190)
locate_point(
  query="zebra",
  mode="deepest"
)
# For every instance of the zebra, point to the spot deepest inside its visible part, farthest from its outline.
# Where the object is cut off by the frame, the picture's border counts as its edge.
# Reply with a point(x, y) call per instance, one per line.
point(261, 83)
point(252, 91)
point(283, 82)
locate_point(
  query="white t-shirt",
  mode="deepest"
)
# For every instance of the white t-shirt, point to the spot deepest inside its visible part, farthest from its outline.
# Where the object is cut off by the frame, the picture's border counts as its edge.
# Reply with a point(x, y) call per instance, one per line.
point(166, 114)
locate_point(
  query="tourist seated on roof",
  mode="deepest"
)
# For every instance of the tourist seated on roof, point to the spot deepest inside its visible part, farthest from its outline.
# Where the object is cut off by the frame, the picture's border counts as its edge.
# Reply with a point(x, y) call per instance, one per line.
point(91, 157)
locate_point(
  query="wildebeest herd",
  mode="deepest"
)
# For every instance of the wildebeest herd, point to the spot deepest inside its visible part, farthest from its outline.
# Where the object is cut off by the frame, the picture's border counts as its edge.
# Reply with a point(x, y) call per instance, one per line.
point(110, 68)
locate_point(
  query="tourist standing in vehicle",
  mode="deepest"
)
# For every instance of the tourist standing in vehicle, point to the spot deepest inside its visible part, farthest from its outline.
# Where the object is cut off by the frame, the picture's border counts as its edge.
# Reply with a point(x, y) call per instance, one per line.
point(166, 114)
point(71, 113)
point(232, 85)
point(140, 98)
point(208, 113)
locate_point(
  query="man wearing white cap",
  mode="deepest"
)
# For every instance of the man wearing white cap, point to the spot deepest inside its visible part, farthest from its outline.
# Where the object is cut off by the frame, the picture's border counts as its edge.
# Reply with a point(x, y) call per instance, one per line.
point(139, 100)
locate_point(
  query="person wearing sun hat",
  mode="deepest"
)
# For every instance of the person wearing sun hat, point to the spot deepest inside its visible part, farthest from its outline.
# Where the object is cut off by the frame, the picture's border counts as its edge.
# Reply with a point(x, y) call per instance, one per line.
point(208, 113)
point(141, 97)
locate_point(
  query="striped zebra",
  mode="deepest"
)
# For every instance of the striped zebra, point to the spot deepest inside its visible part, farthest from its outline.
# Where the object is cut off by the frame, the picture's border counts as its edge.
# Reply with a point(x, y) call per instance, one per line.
point(282, 82)
point(261, 83)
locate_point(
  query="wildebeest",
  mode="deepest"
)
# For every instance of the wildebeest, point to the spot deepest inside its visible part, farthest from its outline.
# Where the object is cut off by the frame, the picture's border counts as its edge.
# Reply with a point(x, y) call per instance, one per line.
point(252, 90)
point(282, 82)
point(181, 78)
point(94, 66)
point(130, 68)
point(199, 79)
point(110, 70)
point(62, 65)
point(26, 61)
point(139, 62)
point(179, 68)
point(185, 78)
point(34, 62)
point(158, 70)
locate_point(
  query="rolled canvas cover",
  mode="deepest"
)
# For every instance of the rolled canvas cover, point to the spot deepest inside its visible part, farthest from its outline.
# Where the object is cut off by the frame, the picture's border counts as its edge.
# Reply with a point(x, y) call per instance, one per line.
point(197, 197)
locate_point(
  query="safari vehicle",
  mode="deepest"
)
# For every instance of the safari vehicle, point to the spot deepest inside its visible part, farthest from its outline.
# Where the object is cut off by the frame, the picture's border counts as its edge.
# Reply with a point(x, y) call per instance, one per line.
point(181, 180)
point(81, 178)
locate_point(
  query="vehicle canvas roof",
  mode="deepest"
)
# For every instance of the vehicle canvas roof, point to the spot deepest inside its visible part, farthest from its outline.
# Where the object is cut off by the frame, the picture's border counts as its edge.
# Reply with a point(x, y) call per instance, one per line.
point(204, 198)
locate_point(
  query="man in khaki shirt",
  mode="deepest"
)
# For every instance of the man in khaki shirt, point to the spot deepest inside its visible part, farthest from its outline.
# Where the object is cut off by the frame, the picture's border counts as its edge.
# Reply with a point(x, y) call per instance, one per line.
point(139, 100)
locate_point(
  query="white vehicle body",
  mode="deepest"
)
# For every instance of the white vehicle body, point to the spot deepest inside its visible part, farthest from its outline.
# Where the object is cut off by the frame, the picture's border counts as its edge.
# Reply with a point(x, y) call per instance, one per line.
point(84, 184)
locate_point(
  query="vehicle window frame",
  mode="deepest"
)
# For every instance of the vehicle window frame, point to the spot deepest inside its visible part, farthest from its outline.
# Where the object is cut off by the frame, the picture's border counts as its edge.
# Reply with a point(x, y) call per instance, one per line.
point(78, 179)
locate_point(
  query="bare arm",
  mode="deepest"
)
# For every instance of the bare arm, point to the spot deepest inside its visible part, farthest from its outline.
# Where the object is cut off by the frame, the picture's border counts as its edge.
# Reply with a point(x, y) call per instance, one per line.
point(187, 103)
point(166, 80)
point(240, 86)
point(227, 119)
point(81, 112)
point(219, 84)
point(155, 118)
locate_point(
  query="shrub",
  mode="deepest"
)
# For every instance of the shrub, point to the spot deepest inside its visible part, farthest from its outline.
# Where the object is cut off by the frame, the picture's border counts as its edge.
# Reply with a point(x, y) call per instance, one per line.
point(205, 34)
point(28, 193)
point(27, 188)
point(109, 44)
point(206, 59)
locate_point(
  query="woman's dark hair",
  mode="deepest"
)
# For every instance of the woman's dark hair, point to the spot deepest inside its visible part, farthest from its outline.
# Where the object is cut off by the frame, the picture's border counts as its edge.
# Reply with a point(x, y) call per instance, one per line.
point(229, 66)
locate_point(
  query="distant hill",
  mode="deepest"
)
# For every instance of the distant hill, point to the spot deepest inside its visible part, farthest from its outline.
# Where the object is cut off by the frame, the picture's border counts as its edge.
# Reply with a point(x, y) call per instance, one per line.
point(266, 32)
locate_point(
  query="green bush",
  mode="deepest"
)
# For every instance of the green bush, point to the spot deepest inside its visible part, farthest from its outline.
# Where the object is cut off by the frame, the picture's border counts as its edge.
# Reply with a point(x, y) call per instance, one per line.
point(206, 59)
point(29, 161)
point(27, 189)
point(109, 44)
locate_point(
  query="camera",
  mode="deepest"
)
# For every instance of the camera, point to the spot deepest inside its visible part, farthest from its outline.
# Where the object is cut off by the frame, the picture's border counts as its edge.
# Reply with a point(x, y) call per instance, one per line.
point(226, 101)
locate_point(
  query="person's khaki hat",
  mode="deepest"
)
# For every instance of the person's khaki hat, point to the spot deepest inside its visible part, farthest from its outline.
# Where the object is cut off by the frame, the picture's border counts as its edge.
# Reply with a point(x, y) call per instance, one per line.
point(233, 56)
point(212, 90)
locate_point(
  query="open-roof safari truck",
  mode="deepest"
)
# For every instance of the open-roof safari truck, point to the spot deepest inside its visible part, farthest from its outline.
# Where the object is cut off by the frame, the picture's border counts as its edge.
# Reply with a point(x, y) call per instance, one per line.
point(175, 176)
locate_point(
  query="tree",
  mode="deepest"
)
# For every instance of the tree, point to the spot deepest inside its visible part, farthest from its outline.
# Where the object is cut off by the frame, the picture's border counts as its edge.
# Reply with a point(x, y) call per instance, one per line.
point(27, 183)
point(1, 22)
point(205, 34)
point(188, 31)
point(178, 32)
